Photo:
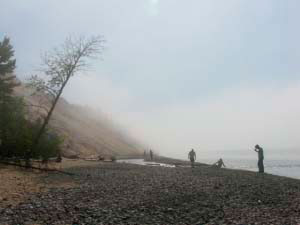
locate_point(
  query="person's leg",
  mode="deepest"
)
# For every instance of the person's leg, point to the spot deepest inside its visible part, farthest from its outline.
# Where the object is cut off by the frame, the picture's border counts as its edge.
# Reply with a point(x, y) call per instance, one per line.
point(262, 166)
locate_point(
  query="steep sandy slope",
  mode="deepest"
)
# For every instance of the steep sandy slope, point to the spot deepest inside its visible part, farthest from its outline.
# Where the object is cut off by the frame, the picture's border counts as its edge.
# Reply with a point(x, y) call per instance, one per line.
point(86, 133)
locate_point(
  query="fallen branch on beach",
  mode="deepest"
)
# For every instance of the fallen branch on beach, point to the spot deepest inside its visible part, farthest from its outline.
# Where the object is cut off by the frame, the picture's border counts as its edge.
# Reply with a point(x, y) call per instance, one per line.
point(37, 168)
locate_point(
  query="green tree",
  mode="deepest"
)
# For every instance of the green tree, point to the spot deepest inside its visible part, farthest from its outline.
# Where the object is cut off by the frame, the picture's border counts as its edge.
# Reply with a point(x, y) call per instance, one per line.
point(17, 133)
point(7, 66)
point(7, 83)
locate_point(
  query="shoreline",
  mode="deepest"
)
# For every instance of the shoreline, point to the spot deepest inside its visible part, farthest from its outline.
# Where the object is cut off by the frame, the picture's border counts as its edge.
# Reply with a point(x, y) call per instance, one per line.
point(268, 169)
point(121, 193)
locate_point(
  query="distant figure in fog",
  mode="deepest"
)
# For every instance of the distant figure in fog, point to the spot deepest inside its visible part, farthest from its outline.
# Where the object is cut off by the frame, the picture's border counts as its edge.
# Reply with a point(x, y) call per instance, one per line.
point(151, 155)
point(192, 157)
point(219, 163)
point(260, 163)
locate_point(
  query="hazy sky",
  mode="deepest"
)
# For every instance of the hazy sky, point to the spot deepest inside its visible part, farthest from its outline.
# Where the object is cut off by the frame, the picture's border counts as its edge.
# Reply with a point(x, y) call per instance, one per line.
point(213, 75)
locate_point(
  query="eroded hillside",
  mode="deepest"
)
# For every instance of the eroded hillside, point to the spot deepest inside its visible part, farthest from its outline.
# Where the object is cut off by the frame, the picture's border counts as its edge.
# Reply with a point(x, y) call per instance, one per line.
point(86, 133)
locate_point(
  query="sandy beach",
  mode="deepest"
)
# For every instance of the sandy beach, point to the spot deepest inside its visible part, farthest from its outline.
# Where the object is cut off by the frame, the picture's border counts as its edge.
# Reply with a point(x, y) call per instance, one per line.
point(121, 193)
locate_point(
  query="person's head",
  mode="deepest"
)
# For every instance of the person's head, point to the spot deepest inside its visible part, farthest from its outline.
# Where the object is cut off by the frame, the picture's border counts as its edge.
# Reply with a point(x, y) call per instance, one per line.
point(257, 146)
point(192, 149)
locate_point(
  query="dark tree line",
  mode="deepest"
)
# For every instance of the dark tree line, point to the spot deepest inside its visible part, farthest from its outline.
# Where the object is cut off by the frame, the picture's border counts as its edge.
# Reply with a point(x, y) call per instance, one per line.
point(20, 137)
point(17, 132)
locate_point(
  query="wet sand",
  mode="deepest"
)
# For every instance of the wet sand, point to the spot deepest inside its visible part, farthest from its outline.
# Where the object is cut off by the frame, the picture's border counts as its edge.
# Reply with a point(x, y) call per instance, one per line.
point(120, 193)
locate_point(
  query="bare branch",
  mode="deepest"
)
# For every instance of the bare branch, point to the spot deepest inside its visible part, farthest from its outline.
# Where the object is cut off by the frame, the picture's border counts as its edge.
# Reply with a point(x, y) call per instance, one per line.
point(60, 64)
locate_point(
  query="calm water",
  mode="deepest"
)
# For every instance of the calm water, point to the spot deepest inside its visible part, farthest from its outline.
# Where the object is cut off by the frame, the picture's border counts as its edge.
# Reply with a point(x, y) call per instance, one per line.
point(288, 168)
point(143, 163)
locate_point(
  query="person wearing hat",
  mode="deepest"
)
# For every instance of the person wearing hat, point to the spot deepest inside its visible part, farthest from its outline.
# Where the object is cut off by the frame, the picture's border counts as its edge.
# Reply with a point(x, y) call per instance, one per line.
point(260, 163)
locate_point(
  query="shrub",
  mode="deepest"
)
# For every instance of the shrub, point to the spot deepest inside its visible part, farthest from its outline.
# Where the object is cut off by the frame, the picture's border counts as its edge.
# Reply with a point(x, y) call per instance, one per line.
point(20, 133)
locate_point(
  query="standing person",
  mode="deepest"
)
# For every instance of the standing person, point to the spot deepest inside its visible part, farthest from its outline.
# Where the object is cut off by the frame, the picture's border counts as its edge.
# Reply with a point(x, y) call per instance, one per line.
point(151, 154)
point(260, 163)
point(192, 157)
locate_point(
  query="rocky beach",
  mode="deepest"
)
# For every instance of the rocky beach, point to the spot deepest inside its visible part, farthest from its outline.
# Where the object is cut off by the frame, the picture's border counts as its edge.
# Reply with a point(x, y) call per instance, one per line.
point(122, 193)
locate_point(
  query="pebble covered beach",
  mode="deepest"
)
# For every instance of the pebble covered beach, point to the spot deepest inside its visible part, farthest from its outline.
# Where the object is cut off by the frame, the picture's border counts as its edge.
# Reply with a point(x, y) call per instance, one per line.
point(121, 193)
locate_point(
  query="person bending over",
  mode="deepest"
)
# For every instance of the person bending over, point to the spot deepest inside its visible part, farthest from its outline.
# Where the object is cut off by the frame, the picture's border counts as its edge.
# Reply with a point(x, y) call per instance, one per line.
point(219, 163)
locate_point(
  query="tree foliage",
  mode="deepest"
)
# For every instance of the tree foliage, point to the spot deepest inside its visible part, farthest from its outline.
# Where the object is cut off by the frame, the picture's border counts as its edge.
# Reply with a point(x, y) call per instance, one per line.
point(17, 133)
point(7, 66)
point(21, 132)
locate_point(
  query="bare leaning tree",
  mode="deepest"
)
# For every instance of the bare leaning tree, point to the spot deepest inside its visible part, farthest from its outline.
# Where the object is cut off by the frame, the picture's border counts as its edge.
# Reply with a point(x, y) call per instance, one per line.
point(58, 66)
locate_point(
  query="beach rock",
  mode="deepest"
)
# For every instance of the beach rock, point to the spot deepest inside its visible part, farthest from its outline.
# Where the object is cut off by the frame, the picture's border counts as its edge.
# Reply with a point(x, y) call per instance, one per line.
point(132, 194)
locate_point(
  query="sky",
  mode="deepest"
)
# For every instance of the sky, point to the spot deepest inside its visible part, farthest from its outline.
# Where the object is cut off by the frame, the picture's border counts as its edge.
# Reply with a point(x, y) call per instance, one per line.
point(217, 76)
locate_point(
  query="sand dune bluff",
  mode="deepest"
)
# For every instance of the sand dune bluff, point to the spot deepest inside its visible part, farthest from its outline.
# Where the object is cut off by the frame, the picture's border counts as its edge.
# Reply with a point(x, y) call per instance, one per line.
point(86, 132)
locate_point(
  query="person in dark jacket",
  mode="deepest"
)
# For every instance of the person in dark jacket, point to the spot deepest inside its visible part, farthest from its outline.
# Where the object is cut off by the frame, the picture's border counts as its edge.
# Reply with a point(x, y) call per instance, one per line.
point(192, 157)
point(260, 163)
point(151, 155)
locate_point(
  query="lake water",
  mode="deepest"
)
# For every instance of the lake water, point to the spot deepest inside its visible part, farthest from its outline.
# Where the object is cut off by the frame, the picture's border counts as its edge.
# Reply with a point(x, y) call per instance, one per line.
point(288, 167)
point(144, 163)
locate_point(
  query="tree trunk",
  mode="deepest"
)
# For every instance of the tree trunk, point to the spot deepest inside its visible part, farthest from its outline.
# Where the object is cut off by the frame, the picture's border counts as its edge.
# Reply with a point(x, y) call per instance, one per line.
point(46, 121)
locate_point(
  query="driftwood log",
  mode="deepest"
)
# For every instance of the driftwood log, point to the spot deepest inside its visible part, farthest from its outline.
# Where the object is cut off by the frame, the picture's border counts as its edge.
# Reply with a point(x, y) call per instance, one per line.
point(36, 168)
